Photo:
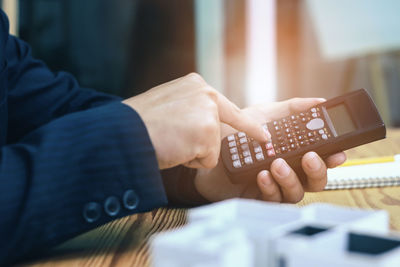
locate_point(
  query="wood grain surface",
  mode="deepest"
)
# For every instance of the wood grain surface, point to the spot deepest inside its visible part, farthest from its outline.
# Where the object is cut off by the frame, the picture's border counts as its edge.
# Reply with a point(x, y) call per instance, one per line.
point(125, 242)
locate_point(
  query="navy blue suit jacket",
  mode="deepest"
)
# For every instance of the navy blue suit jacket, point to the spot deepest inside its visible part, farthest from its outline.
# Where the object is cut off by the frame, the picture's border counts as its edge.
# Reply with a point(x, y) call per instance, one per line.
point(65, 151)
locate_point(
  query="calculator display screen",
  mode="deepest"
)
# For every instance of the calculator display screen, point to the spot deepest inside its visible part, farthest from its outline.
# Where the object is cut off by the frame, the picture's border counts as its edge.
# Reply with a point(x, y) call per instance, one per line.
point(341, 119)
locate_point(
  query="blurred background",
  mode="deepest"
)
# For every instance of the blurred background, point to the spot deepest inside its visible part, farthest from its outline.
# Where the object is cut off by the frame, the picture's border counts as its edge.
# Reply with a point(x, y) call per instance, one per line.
point(253, 51)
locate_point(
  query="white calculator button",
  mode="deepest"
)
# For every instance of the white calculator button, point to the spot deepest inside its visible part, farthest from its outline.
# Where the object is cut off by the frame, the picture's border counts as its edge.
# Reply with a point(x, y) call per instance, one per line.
point(259, 156)
point(315, 124)
point(246, 153)
point(231, 137)
point(324, 136)
point(241, 134)
point(313, 110)
point(233, 150)
point(245, 147)
point(232, 144)
point(235, 157)
point(257, 149)
point(243, 140)
point(237, 164)
point(314, 115)
point(248, 160)
point(321, 131)
point(269, 145)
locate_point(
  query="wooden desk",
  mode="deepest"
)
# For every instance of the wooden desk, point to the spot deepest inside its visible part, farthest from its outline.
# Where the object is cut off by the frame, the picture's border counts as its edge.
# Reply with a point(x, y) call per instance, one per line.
point(124, 242)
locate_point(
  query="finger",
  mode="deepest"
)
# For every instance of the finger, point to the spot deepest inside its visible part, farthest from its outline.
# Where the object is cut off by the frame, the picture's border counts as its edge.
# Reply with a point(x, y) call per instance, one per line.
point(315, 169)
point(286, 178)
point(335, 160)
point(293, 105)
point(230, 114)
point(195, 164)
point(268, 187)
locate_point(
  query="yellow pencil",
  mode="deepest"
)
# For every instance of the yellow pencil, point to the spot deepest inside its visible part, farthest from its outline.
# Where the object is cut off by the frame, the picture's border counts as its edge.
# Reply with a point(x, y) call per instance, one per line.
point(372, 160)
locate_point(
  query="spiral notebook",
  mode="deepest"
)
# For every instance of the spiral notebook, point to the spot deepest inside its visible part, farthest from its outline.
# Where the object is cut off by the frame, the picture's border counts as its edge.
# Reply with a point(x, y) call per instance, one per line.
point(365, 175)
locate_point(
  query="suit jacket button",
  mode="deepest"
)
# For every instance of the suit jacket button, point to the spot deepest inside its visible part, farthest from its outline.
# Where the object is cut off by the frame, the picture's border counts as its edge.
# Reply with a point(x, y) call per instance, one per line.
point(112, 206)
point(130, 199)
point(92, 212)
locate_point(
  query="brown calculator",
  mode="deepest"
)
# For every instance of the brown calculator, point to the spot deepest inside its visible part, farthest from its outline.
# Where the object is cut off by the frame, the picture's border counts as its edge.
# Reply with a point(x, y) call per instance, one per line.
point(338, 124)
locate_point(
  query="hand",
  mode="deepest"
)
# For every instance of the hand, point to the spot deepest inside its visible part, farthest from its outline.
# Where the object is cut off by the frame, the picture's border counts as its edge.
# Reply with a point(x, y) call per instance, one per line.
point(280, 183)
point(183, 120)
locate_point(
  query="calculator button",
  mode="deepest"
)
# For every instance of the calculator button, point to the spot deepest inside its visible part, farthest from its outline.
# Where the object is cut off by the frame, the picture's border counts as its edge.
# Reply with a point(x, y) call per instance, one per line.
point(235, 157)
point(231, 137)
point(232, 144)
point(257, 149)
point(292, 146)
point(246, 153)
point(315, 124)
point(303, 119)
point(287, 130)
point(302, 143)
point(312, 140)
point(321, 131)
point(296, 127)
point(248, 160)
point(302, 114)
point(237, 164)
point(291, 140)
point(289, 136)
point(293, 117)
point(243, 140)
point(284, 149)
point(313, 110)
point(256, 144)
point(245, 147)
point(275, 123)
point(233, 150)
point(286, 125)
point(270, 152)
point(268, 145)
point(310, 134)
point(295, 122)
point(314, 115)
point(277, 128)
point(280, 139)
point(284, 120)
point(259, 156)
point(241, 134)
point(300, 137)
point(324, 136)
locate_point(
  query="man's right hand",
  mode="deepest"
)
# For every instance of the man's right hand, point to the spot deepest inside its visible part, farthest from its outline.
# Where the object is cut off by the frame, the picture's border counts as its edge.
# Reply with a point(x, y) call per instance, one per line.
point(183, 119)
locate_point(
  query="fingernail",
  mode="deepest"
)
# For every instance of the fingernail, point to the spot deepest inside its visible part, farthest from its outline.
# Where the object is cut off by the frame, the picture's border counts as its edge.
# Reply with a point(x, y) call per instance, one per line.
point(265, 180)
point(283, 168)
point(321, 99)
point(266, 132)
point(313, 162)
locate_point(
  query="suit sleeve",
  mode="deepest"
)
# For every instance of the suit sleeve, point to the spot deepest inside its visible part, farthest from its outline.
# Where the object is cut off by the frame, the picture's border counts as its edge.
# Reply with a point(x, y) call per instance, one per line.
point(74, 158)
point(36, 95)
point(74, 174)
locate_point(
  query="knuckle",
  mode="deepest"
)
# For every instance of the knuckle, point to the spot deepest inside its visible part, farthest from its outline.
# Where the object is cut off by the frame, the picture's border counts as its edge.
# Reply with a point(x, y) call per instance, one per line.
point(193, 76)
point(211, 93)
point(209, 125)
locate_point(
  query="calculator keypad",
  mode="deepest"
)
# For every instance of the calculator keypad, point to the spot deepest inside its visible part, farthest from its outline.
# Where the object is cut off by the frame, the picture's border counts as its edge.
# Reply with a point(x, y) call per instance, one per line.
point(288, 134)
point(299, 130)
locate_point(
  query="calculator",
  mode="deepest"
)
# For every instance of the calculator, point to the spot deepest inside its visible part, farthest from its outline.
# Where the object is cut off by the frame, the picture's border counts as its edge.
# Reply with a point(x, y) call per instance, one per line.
point(338, 124)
